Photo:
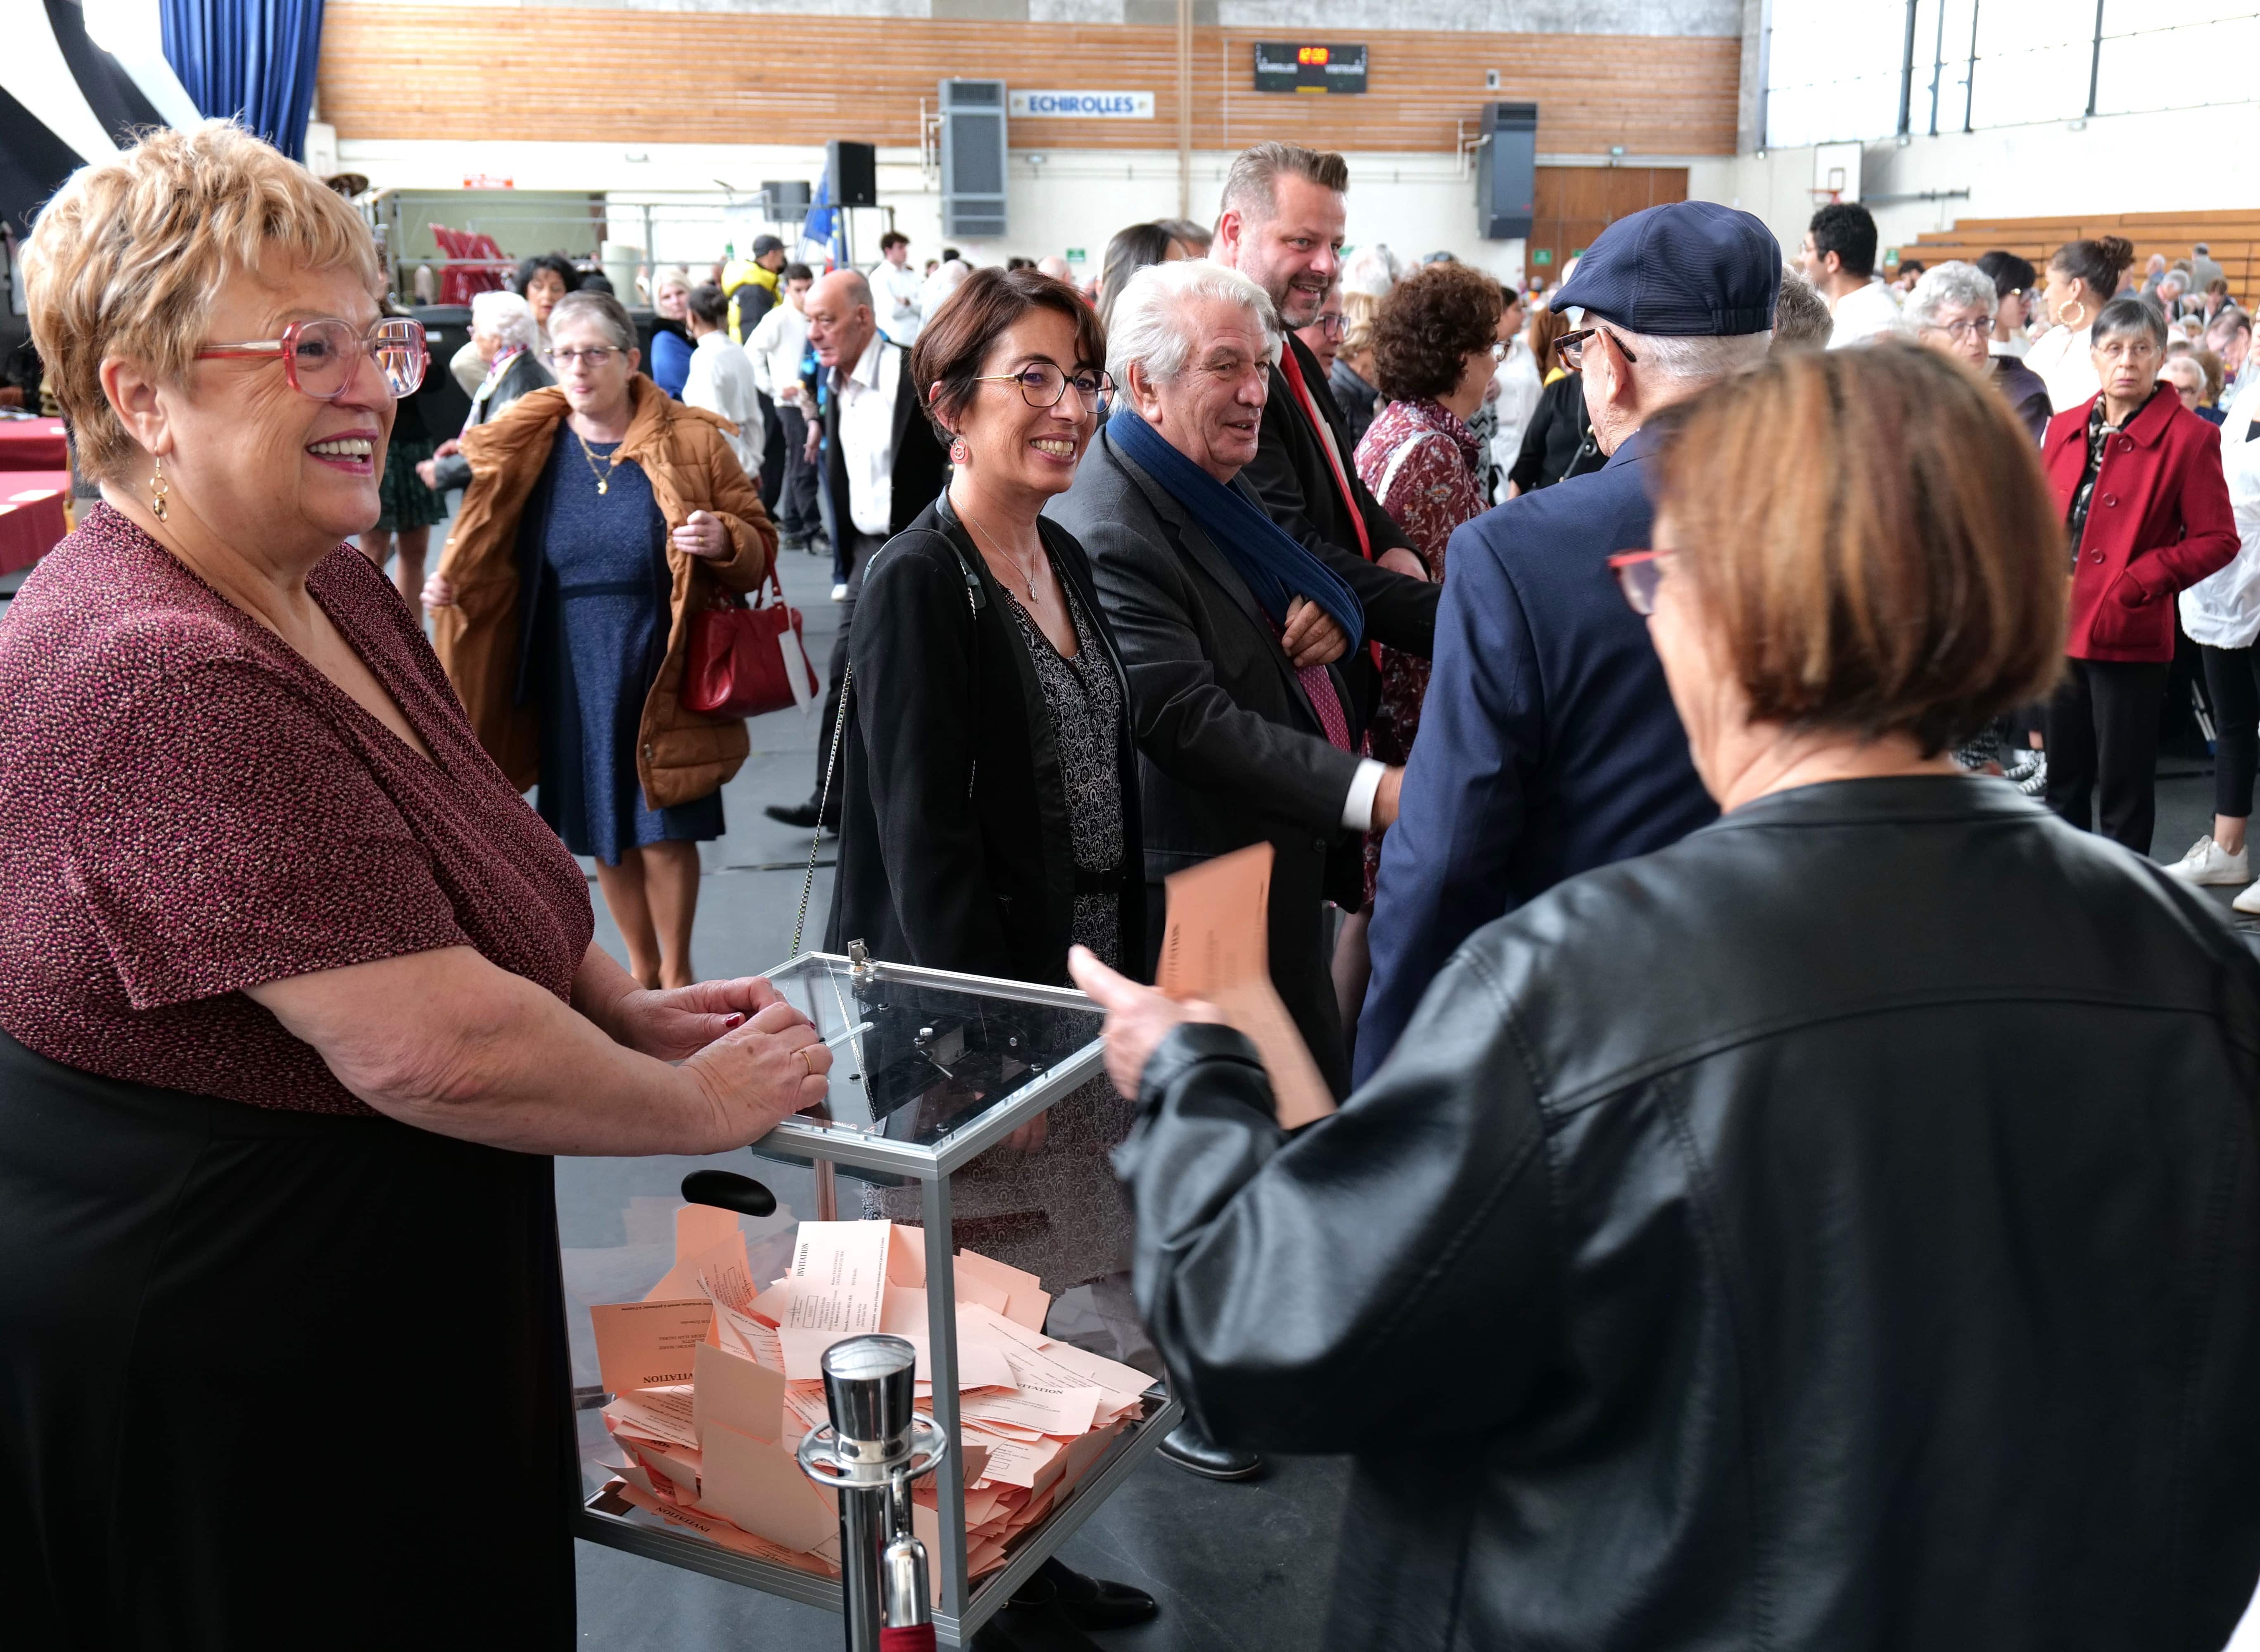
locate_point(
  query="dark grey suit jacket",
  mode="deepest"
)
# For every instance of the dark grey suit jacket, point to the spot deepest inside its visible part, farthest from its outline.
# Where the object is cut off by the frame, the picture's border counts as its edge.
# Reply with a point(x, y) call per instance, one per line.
point(1230, 751)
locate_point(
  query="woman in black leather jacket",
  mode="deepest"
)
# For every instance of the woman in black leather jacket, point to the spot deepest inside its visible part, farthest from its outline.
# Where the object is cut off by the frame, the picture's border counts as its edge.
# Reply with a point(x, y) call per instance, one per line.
point(1839, 1230)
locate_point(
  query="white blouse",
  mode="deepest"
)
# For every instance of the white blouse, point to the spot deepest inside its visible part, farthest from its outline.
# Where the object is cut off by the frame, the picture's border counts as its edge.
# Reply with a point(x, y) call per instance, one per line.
point(2061, 357)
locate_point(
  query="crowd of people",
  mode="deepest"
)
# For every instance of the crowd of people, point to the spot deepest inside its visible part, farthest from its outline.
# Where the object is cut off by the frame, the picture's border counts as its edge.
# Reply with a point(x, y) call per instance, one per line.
point(1831, 1174)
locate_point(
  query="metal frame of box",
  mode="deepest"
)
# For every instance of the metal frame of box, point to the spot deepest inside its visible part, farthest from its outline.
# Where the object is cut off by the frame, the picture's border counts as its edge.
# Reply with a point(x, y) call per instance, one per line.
point(962, 1610)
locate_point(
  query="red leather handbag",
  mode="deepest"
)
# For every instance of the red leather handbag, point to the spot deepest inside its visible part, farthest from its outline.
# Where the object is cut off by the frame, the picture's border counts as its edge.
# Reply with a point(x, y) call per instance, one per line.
point(746, 660)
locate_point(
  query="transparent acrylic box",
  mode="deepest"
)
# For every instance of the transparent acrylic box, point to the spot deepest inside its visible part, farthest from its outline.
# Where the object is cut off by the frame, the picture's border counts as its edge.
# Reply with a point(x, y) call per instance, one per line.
point(930, 1070)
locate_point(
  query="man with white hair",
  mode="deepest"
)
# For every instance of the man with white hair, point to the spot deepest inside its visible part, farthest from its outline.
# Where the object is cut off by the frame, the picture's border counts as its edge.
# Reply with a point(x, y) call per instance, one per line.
point(1282, 224)
point(1549, 744)
point(1234, 635)
point(502, 332)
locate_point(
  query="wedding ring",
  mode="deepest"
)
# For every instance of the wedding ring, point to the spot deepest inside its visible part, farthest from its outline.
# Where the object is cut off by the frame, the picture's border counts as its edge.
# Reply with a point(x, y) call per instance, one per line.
point(801, 1055)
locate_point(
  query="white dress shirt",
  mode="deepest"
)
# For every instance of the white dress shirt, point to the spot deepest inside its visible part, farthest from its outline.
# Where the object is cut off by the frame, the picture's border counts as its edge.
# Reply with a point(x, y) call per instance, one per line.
point(721, 381)
point(780, 340)
point(1863, 313)
point(867, 434)
point(896, 288)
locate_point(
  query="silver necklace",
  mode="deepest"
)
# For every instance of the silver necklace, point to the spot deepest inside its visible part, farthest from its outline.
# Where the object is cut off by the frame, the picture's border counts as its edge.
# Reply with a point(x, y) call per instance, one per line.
point(1027, 571)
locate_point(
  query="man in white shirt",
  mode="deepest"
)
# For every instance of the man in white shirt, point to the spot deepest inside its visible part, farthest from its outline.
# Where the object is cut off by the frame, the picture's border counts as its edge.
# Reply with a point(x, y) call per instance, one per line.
point(721, 377)
point(882, 465)
point(778, 346)
point(897, 287)
point(1839, 259)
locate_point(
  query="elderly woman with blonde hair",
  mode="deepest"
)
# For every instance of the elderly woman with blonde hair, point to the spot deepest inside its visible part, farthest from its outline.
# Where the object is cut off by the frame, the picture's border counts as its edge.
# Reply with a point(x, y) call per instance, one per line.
point(298, 996)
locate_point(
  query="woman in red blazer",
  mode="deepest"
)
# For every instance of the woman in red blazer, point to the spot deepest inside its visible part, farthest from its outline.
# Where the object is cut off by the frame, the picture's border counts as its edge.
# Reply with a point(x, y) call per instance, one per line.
point(2139, 477)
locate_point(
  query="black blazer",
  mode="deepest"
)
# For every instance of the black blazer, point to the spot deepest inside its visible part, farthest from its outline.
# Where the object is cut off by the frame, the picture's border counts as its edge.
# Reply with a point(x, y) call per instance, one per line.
point(1848, 1219)
point(1556, 445)
point(921, 462)
point(955, 851)
point(1231, 752)
point(1292, 477)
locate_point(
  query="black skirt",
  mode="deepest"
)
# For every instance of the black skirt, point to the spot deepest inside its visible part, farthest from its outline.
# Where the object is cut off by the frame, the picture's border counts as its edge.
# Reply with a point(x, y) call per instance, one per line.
point(272, 1378)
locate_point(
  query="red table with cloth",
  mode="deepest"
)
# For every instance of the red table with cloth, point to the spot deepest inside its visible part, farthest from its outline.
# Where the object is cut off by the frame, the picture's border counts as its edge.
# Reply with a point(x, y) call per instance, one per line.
point(32, 518)
point(34, 444)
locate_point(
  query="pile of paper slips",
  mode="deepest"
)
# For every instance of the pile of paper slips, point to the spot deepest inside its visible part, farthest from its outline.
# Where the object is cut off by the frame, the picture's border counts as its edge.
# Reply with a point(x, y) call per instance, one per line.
point(715, 1381)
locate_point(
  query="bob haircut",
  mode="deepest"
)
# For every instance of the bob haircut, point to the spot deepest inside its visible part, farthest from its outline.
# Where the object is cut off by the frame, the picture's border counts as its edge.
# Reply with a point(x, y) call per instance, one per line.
point(1900, 572)
point(952, 347)
point(1437, 317)
point(129, 257)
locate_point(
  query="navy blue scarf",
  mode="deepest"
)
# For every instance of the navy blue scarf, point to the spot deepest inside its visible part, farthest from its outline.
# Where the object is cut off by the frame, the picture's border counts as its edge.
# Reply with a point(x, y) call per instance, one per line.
point(1277, 570)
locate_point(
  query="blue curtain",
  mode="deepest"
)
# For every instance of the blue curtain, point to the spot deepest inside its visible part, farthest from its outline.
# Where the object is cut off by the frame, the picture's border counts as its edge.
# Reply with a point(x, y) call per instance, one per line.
point(249, 58)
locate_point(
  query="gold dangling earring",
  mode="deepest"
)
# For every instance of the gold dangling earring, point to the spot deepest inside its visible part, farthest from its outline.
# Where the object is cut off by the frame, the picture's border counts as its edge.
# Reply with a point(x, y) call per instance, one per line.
point(158, 489)
point(2070, 326)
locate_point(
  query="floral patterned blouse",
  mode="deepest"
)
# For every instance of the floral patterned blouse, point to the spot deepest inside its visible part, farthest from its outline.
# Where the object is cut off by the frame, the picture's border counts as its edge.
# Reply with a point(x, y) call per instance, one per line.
point(1419, 459)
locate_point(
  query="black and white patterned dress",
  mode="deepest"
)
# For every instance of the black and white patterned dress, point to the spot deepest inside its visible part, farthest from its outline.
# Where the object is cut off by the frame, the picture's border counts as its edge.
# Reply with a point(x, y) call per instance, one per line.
point(1058, 1212)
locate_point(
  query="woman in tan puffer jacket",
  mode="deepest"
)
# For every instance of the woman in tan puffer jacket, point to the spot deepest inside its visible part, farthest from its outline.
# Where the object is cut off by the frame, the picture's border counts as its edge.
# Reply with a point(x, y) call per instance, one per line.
point(601, 517)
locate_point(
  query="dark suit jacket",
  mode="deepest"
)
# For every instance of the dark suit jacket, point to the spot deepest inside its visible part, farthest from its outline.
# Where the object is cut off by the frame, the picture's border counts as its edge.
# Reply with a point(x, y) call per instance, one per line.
point(1230, 751)
point(954, 846)
point(921, 462)
point(1549, 744)
point(1291, 476)
point(525, 372)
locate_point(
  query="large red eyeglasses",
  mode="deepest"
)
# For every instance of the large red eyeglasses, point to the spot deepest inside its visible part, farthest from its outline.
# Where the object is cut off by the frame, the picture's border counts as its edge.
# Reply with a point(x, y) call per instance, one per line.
point(320, 358)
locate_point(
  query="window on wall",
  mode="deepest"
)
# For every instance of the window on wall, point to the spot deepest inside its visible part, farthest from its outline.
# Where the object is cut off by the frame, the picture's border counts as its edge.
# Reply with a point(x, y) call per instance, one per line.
point(1842, 69)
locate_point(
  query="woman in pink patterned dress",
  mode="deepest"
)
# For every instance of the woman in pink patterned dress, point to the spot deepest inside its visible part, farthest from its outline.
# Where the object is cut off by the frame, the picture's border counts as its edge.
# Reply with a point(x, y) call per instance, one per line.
point(1433, 352)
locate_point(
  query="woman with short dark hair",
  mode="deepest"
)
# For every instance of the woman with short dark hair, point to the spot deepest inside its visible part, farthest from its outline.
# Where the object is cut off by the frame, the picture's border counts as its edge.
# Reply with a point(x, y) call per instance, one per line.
point(2138, 477)
point(1868, 1182)
point(988, 819)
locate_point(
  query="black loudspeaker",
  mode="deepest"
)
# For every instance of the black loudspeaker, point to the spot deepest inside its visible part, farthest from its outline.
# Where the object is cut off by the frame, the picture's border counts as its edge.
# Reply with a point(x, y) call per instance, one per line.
point(1507, 171)
point(853, 169)
point(973, 150)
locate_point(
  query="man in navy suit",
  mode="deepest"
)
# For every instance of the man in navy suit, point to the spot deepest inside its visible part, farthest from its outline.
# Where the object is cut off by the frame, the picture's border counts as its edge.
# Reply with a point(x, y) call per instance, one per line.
point(1549, 744)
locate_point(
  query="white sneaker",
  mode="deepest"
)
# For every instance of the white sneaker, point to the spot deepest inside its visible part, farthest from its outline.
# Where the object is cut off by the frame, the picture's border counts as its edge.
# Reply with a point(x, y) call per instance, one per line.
point(840, 593)
point(2248, 900)
point(2207, 862)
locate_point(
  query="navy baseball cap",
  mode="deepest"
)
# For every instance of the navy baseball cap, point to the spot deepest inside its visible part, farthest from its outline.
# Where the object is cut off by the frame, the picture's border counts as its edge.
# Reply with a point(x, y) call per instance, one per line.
point(1692, 268)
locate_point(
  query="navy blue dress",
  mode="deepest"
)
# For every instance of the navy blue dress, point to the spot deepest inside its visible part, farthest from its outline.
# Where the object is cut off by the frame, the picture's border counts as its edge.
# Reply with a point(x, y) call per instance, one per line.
point(605, 634)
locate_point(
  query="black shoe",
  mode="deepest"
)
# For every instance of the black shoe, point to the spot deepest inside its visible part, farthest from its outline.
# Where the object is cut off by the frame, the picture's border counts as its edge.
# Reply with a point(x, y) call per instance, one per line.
point(793, 814)
point(1195, 1453)
point(1088, 1602)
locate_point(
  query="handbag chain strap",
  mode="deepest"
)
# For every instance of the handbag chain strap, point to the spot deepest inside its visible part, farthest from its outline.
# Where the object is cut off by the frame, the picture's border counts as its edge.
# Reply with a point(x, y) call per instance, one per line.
point(823, 802)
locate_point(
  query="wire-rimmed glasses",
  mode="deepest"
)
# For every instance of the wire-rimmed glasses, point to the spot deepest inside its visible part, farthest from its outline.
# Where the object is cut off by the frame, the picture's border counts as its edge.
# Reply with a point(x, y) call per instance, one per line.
point(1043, 384)
point(320, 358)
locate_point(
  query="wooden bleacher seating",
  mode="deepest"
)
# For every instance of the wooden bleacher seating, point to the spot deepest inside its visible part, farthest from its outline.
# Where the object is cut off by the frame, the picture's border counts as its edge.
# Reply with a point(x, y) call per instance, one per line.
point(2232, 235)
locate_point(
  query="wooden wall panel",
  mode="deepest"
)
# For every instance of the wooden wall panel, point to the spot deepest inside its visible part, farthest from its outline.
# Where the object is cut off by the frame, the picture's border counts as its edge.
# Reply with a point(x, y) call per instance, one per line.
point(540, 73)
point(1573, 204)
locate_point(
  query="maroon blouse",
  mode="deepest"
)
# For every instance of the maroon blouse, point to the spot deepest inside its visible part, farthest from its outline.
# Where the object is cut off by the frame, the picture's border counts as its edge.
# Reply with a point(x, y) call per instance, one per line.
point(188, 808)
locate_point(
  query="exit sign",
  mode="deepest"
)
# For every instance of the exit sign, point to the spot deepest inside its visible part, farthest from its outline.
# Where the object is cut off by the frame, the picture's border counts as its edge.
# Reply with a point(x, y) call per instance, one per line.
point(1296, 66)
point(1074, 254)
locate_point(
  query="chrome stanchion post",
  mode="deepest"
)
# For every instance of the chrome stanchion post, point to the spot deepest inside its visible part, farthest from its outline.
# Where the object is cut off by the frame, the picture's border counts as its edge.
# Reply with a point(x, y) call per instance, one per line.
point(874, 1447)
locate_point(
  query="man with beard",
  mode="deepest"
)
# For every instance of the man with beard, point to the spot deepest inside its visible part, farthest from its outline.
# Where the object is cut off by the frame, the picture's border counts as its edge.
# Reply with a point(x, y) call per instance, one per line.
point(1281, 225)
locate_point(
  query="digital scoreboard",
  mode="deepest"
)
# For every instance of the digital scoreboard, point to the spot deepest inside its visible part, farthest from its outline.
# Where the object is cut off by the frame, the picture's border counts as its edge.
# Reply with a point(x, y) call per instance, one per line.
point(1286, 66)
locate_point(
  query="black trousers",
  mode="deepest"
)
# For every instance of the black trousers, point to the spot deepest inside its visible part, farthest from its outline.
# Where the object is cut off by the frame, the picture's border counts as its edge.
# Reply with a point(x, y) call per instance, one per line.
point(859, 548)
point(772, 477)
point(2103, 743)
point(795, 505)
point(2232, 680)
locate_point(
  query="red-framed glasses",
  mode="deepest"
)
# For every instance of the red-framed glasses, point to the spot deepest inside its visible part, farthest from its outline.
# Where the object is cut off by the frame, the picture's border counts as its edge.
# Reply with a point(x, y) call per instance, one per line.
point(1638, 575)
point(320, 358)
